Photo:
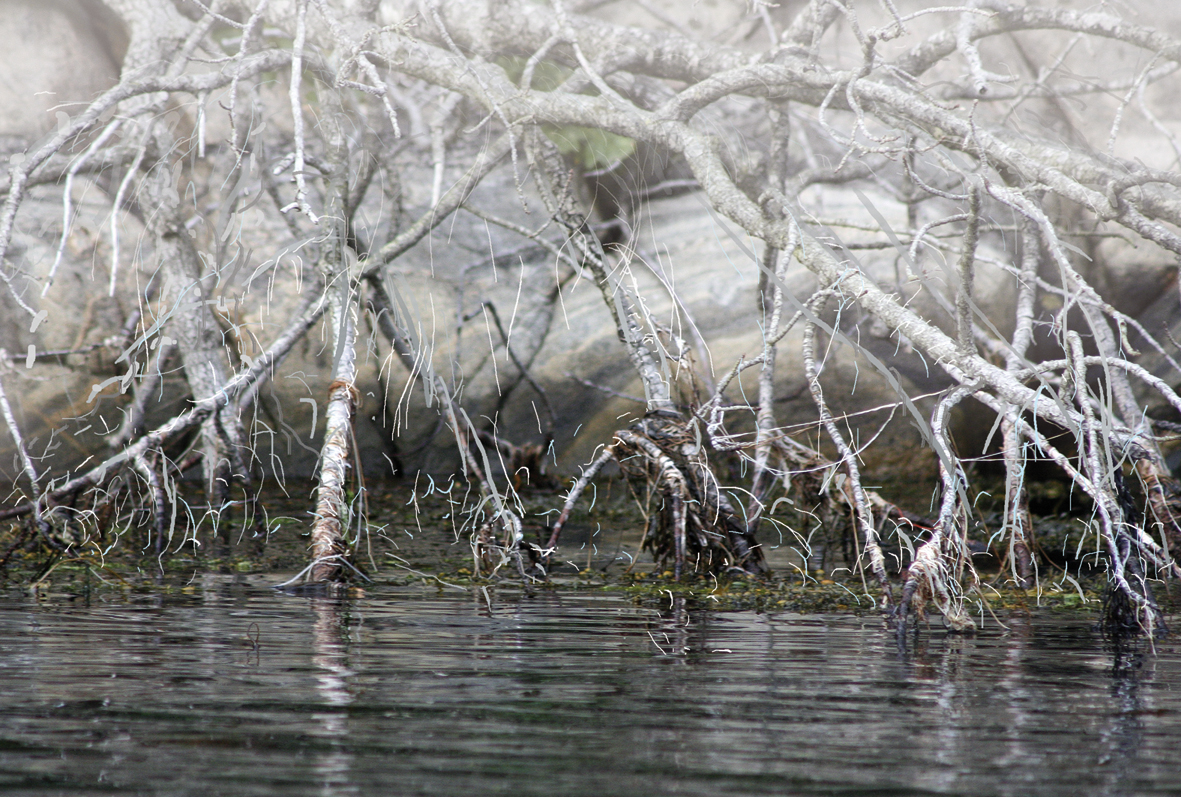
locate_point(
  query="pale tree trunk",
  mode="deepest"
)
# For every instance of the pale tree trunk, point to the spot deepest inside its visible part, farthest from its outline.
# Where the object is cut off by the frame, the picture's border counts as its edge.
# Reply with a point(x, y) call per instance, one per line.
point(770, 298)
point(185, 296)
point(159, 34)
point(332, 519)
point(332, 515)
point(1018, 520)
point(771, 282)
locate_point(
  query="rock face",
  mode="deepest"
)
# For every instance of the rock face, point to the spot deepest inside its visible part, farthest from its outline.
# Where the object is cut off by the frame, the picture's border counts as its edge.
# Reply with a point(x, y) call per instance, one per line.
point(695, 273)
point(58, 54)
point(698, 277)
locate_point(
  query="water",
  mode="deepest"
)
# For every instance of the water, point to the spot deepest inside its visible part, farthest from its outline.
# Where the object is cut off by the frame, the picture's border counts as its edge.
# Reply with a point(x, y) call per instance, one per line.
point(236, 689)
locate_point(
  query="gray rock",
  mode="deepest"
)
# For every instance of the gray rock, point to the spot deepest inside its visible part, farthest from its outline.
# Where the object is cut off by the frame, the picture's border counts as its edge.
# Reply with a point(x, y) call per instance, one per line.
point(57, 55)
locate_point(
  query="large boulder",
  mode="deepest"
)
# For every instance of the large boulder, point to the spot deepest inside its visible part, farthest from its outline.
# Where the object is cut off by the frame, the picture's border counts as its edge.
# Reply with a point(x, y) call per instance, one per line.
point(57, 56)
point(698, 277)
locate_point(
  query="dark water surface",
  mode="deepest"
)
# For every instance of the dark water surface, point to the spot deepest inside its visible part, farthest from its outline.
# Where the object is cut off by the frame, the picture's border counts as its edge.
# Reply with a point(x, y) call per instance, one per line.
point(236, 689)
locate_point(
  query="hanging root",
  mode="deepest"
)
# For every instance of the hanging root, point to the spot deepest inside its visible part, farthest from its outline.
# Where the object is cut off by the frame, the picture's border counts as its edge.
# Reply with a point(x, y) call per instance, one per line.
point(1129, 607)
point(693, 523)
point(498, 538)
point(146, 465)
point(940, 564)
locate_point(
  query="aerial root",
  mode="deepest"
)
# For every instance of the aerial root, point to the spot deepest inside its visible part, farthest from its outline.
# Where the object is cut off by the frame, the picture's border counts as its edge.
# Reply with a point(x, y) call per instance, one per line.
point(693, 524)
point(929, 580)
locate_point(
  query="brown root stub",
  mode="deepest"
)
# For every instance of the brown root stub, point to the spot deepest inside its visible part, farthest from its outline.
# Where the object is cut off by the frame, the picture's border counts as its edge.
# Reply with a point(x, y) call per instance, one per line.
point(524, 464)
point(929, 580)
point(486, 549)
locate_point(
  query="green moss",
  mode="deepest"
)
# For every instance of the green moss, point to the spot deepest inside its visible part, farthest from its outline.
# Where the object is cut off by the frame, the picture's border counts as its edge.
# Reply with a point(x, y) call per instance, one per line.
point(590, 148)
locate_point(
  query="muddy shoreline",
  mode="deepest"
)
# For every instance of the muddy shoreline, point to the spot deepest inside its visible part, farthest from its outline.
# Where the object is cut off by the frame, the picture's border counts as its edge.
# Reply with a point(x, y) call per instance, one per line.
point(421, 537)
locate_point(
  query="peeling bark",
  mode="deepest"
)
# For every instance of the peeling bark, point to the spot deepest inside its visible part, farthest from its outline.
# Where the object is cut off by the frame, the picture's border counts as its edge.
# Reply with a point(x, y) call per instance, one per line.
point(333, 513)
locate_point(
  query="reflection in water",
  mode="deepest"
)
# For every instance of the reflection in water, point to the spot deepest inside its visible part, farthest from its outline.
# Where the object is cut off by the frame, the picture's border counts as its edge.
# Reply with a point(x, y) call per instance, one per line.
point(1015, 694)
point(1124, 737)
point(239, 690)
point(330, 654)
